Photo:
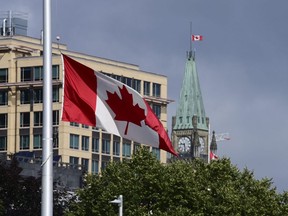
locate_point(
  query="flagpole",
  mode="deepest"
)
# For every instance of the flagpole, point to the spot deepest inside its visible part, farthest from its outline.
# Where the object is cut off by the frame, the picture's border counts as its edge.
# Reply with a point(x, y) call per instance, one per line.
point(47, 142)
point(209, 142)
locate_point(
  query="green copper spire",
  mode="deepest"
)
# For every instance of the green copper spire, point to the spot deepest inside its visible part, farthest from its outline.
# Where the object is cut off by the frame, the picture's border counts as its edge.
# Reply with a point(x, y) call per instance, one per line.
point(190, 102)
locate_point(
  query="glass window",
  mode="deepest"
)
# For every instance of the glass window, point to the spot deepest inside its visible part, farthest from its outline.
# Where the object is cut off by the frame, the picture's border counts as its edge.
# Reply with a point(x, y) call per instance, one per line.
point(37, 141)
point(55, 137)
point(38, 95)
point(3, 97)
point(85, 163)
point(3, 75)
point(106, 146)
point(55, 117)
point(104, 164)
point(156, 90)
point(24, 119)
point(25, 96)
point(85, 143)
point(156, 152)
point(38, 119)
point(126, 148)
point(137, 85)
point(85, 126)
point(116, 145)
point(55, 72)
point(55, 93)
point(74, 124)
point(95, 144)
point(95, 167)
point(24, 142)
point(74, 160)
point(136, 147)
point(146, 88)
point(3, 143)
point(127, 81)
point(38, 73)
point(3, 120)
point(26, 74)
point(157, 110)
point(74, 141)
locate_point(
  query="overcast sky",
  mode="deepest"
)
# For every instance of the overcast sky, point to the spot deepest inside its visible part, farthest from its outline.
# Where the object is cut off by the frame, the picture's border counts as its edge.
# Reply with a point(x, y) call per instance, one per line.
point(241, 62)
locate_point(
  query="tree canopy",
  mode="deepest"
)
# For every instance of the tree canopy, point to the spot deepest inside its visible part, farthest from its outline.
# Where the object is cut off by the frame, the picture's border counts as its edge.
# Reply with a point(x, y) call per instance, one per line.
point(178, 188)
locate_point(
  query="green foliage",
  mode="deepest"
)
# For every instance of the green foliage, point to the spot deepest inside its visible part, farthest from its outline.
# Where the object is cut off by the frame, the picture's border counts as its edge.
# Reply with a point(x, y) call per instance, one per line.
point(179, 188)
point(22, 196)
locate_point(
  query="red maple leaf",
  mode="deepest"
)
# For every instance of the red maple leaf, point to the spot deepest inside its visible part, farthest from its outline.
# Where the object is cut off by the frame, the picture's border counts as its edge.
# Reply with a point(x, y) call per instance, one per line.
point(124, 108)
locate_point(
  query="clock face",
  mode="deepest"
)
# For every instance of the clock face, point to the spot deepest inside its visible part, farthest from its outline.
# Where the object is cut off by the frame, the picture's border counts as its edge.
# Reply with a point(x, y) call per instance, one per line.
point(202, 144)
point(184, 144)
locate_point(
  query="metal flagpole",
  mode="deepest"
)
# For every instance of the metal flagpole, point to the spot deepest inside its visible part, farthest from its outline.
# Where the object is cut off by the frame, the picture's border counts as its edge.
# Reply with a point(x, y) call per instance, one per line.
point(47, 142)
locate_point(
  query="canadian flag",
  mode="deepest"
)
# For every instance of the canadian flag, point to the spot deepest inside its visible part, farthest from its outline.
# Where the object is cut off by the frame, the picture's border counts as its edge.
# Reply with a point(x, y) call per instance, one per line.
point(213, 156)
point(94, 99)
point(197, 37)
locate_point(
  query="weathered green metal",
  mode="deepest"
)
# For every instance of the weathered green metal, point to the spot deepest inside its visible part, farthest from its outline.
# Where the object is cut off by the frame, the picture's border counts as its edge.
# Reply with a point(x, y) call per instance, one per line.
point(190, 102)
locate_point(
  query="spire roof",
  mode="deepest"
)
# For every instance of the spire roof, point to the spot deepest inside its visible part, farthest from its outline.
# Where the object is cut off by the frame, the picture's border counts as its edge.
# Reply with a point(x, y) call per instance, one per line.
point(190, 102)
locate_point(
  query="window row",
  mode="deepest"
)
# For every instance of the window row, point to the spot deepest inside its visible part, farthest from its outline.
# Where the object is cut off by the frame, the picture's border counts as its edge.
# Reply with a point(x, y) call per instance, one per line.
point(29, 96)
point(136, 84)
point(37, 141)
point(35, 95)
point(37, 118)
point(106, 144)
point(36, 73)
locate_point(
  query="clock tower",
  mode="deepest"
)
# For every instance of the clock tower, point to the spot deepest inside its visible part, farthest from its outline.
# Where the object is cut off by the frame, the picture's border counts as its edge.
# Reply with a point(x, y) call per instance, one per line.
point(190, 126)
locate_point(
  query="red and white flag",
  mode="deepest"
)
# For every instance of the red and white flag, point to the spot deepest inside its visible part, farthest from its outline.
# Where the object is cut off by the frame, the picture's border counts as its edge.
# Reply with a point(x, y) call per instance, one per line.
point(213, 156)
point(197, 37)
point(94, 99)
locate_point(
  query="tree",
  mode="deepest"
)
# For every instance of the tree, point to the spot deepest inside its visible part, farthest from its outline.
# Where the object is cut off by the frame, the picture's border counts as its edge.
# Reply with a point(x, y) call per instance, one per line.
point(22, 196)
point(178, 188)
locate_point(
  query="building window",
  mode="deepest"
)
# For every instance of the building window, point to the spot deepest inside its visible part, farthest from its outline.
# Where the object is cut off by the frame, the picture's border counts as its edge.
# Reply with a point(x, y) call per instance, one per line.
point(38, 119)
point(106, 144)
point(146, 88)
point(3, 97)
point(24, 119)
point(38, 95)
point(3, 120)
point(85, 143)
point(116, 145)
point(137, 85)
point(85, 126)
point(55, 137)
point(26, 74)
point(55, 72)
point(25, 96)
point(74, 141)
point(95, 167)
point(136, 147)
point(3, 143)
point(156, 152)
point(24, 142)
point(157, 110)
point(74, 160)
point(95, 144)
point(74, 124)
point(38, 73)
point(37, 141)
point(104, 164)
point(3, 75)
point(55, 94)
point(85, 164)
point(156, 90)
point(55, 117)
point(126, 148)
